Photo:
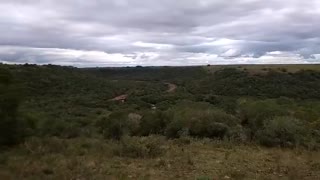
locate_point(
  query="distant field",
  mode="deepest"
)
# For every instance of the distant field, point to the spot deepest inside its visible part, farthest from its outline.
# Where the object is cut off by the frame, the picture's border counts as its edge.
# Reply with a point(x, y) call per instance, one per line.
point(265, 67)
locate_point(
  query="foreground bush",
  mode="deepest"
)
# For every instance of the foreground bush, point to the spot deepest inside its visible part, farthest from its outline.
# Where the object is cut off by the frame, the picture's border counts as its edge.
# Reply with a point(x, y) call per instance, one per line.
point(211, 123)
point(153, 122)
point(114, 126)
point(282, 131)
point(254, 114)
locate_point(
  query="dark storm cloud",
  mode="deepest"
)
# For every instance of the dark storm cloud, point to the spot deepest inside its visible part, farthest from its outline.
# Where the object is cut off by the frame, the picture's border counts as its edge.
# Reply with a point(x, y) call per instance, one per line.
point(153, 32)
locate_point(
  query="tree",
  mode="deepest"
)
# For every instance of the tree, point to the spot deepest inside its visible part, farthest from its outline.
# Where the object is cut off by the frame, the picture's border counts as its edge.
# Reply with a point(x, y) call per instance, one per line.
point(10, 130)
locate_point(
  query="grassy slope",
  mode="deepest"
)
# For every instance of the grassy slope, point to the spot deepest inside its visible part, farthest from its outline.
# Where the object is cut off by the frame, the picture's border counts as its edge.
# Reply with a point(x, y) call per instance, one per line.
point(201, 159)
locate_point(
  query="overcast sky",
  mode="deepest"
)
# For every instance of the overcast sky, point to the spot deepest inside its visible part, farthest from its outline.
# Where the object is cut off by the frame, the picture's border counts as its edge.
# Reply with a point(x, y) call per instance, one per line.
point(159, 32)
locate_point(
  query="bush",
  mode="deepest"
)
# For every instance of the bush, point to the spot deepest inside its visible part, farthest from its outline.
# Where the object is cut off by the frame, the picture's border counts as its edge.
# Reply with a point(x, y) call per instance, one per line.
point(175, 128)
point(254, 114)
point(55, 127)
point(114, 126)
point(118, 124)
point(211, 123)
point(140, 147)
point(282, 131)
point(153, 122)
point(228, 104)
point(134, 121)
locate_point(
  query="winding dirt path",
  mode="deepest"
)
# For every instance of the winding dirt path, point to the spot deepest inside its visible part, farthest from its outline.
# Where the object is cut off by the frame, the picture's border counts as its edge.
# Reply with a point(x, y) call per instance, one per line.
point(171, 87)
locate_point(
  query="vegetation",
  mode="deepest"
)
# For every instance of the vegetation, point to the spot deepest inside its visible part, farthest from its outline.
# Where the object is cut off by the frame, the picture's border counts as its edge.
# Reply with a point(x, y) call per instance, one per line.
point(214, 122)
point(11, 129)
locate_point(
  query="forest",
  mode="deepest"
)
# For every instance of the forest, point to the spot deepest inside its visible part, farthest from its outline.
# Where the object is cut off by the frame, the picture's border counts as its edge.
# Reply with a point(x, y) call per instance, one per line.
point(197, 122)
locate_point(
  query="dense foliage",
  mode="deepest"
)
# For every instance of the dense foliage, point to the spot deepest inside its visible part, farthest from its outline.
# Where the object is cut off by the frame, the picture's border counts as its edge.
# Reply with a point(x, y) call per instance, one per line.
point(11, 130)
point(273, 108)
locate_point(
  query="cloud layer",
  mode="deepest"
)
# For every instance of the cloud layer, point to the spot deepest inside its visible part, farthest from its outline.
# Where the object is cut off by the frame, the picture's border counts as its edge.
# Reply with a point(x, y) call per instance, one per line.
point(153, 32)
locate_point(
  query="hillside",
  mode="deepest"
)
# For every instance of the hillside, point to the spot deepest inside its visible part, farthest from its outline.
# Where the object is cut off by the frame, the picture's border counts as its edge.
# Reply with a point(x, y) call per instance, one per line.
point(212, 122)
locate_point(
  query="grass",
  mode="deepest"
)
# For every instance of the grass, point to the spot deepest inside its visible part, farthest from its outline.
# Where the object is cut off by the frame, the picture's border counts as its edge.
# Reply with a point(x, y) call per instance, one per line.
point(84, 158)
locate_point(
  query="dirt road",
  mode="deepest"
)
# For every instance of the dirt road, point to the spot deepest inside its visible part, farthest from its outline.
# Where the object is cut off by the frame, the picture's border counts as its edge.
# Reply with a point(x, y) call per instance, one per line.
point(171, 87)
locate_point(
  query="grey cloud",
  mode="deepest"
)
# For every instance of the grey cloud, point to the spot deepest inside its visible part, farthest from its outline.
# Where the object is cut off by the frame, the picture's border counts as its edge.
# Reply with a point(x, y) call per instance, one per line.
point(137, 30)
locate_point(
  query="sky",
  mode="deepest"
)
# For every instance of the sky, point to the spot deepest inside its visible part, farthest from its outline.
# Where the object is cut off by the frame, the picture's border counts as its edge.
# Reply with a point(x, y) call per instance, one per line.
point(90, 33)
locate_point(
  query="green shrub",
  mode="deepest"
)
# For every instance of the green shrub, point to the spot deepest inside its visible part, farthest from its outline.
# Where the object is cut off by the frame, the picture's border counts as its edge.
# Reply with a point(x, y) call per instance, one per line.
point(134, 123)
point(282, 131)
point(153, 122)
point(38, 124)
point(254, 114)
point(176, 128)
point(228, 104)
point(51, 127)
point(209, 122)
point(140, 147)
point(114, 126)
point(118, 124)
point(212, 124)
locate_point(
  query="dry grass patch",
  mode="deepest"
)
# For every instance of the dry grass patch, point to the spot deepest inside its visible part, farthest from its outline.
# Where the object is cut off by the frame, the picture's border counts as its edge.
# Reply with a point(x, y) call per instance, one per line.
point(197, 159)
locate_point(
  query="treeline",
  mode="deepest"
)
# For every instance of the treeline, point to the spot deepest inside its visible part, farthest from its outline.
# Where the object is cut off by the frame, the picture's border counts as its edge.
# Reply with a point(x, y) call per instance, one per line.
point(304, 84)
point(173, 74)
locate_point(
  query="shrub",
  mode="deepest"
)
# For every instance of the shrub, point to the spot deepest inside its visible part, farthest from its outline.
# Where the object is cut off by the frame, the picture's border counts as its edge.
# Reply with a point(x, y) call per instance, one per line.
point(176, 128)
point(51, 127)
point(134, 121)
point(254, 114)
point(226, 103)
point(140, 147)
point(114, 126)
point(153, 122)
point(118, 124)
point(283, 70)
point(282, 131)
point(211, 123)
